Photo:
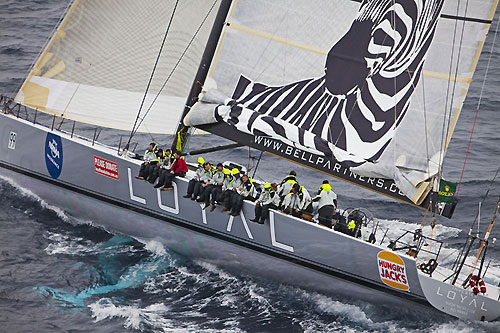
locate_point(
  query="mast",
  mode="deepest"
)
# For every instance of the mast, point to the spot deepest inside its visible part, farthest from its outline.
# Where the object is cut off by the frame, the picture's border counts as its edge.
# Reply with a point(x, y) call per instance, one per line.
point(182, 132)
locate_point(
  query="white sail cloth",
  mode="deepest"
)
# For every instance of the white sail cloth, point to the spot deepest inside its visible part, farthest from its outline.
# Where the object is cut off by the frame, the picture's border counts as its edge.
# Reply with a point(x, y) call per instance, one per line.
point(385, 95)
point(97, 65)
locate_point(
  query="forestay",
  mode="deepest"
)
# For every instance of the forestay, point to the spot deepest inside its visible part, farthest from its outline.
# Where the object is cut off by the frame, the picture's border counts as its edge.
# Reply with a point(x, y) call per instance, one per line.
point(347, 87)
point(96, 66)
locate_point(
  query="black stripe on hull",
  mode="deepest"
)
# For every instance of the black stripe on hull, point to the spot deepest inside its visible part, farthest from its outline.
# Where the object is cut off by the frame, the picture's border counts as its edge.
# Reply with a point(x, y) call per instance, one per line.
point(215, 234)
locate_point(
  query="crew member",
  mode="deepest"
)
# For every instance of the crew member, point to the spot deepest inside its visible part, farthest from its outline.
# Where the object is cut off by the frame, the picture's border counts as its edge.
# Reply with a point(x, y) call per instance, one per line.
point(178, 169)
point(268, 199)
point(200, 170)
point(246, 191)
point(218, 193)
point(286, 185)
point(326, 204)
point(148, 158)
point(297, 201)
point(216, 181)
point(204, 181)
point(233, 185)
point(153, 170)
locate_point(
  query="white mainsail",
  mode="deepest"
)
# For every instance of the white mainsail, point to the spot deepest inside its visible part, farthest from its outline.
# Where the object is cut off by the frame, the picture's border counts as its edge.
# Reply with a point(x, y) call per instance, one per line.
point(96, 67)
point(278, 45)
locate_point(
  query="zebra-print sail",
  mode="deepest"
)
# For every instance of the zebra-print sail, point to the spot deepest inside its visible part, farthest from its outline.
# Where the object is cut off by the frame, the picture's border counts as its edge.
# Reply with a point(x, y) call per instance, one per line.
point(353, 110)
point(368, 102)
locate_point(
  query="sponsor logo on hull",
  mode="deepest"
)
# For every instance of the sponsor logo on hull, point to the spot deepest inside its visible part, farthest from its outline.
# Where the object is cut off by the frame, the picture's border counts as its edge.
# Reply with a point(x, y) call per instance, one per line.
point(53, 155)
point(106, 168)
point(392, 270)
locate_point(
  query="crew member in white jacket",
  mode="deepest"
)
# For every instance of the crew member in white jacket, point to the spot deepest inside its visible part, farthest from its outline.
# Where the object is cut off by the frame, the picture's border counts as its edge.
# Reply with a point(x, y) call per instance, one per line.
point(268, 199)
point(246, 191)
point(326, 207)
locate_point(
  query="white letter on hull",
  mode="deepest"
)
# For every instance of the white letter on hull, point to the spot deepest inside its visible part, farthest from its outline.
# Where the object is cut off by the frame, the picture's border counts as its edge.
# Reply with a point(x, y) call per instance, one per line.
point(230, 224)
point(175, 209)
point(131, 189)
point(274, 242)
point(203, 214)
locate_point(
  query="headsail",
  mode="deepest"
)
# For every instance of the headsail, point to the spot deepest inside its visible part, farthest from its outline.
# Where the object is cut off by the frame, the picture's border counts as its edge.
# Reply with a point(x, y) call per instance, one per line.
point(361, 91)
point(96, 66)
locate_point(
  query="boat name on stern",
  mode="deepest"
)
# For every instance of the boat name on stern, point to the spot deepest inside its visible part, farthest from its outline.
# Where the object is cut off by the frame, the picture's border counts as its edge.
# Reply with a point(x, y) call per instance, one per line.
point(459, 300)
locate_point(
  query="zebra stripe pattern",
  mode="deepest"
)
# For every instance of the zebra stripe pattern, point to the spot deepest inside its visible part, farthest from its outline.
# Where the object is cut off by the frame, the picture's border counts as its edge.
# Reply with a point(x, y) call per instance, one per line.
point(352, 112)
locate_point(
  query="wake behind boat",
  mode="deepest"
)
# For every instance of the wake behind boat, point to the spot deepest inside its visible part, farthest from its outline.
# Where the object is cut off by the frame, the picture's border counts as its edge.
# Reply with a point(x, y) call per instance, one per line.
point(93, 181)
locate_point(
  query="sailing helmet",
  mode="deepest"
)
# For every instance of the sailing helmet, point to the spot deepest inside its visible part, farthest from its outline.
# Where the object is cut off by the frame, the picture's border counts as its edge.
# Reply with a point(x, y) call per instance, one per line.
point(201, 160)
point(235, 171)
point(267, 185)
point(226, 171)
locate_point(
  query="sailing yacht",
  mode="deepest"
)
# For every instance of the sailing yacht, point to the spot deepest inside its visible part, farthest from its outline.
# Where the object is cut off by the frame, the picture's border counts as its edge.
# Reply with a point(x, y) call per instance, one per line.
point(365, 91)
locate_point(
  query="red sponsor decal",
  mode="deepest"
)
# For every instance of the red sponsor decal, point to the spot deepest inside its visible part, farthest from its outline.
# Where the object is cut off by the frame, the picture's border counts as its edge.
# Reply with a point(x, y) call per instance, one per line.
point(106, 168)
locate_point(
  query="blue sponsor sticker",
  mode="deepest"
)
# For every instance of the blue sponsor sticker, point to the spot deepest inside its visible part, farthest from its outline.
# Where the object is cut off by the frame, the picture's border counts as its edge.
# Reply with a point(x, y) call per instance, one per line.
point(54, 154)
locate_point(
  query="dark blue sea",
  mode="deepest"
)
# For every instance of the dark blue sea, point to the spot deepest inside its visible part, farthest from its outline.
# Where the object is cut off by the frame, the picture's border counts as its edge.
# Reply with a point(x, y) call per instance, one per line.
point(59, 274)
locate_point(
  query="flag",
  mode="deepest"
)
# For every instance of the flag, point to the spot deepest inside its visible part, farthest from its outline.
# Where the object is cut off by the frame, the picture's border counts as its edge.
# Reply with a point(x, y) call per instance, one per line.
point(446, 191)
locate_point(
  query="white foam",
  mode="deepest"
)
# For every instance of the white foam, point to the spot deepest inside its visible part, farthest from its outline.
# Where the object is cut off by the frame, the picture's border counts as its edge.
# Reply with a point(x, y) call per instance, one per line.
point(135, 317)
point(150, 318)
point(27, 193)
point(153, 246)
point(62, 244)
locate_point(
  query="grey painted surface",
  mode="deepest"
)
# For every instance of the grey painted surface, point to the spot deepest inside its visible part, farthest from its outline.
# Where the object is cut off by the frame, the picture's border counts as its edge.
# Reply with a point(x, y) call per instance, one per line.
point(284, 249)
point(459, 302)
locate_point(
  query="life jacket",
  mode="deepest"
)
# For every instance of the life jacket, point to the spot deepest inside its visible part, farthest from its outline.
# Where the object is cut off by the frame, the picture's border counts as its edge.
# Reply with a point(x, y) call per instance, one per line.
point(248, 189)
point(217, 177)
point(305, 198)
point(150, 156)
point(286, 185)
point(226, 184)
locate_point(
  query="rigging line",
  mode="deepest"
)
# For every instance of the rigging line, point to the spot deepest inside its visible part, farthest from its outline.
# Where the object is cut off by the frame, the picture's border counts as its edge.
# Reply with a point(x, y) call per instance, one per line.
point(485, 196)
point(447, 95)
point(153, 72)
point(395, 99)
point(425, 123)
point(455, 82)
point(44, 48)
point(477, 108)
point(176, 65)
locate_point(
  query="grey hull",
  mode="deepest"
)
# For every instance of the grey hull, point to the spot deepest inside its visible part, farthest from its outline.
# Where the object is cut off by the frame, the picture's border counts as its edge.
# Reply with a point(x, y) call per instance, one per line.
point(459, 302)
point(285, 249)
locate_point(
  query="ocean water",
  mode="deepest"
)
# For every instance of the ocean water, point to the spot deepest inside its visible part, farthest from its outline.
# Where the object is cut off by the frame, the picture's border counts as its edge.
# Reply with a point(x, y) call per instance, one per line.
point(59, 274)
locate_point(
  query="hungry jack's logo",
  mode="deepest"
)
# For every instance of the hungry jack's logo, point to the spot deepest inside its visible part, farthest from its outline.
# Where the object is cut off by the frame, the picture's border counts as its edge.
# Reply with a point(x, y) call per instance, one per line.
point(392, 270)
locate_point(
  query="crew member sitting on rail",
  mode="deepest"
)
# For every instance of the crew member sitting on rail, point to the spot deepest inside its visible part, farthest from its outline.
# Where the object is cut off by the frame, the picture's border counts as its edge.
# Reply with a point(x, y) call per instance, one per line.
point(326, 207)
point(200, 170)
point(268, 199)
point(298, 202)
point(286, 185)
point(148, 158)
point(216, 181)
point(232, 189)
point(164, 169)
point(218, 193)
point(246, 191)
point(204, 181)
point(153, 170)
point(178, 169)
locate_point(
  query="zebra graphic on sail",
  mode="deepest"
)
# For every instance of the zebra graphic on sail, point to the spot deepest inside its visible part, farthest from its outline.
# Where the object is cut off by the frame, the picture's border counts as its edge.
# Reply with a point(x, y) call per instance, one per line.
point(354, 109)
